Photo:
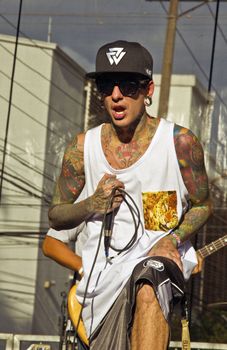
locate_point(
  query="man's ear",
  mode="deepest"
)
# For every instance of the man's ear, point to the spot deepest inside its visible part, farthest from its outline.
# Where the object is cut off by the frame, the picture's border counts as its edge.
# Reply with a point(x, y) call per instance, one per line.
point(150, 88)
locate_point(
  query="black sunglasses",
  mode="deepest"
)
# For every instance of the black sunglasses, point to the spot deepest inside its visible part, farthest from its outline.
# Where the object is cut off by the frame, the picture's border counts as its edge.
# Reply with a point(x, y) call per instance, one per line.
point(127, 87)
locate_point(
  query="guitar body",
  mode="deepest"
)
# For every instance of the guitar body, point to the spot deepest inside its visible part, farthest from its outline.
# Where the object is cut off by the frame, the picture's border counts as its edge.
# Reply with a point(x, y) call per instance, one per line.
point(198, 268)
point(74, 309)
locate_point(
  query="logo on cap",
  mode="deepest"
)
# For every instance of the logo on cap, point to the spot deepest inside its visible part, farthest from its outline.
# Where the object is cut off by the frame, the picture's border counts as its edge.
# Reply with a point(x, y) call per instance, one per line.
point(149, 72)
point(115, 55)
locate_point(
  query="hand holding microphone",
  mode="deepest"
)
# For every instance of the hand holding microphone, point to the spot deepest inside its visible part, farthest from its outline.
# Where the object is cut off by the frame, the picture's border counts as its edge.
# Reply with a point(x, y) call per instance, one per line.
point(105, 200)
point(102, 200)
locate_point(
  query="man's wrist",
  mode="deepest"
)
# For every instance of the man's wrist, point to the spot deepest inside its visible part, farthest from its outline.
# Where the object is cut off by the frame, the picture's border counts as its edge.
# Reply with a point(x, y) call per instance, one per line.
point(89, 204)
point(176, 239)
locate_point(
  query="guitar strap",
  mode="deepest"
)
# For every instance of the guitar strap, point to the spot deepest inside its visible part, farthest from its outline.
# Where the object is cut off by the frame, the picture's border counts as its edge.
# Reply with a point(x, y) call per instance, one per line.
point(185, 338)
point(185, 335)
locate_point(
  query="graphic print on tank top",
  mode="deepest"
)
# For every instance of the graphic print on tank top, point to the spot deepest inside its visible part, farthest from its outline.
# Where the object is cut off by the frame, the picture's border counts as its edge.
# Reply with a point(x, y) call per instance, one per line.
point(160, 210)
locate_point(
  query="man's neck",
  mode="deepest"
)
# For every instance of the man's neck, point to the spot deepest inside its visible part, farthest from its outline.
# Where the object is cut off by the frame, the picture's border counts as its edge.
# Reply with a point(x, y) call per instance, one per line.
point(123, 147)
point(127, 134)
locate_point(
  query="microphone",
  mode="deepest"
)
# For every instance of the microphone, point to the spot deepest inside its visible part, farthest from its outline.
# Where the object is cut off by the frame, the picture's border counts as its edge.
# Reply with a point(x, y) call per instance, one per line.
point(107, 232)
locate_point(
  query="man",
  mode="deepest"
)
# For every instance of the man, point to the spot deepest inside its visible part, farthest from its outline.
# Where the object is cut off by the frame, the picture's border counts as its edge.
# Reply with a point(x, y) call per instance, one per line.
point(147, 172)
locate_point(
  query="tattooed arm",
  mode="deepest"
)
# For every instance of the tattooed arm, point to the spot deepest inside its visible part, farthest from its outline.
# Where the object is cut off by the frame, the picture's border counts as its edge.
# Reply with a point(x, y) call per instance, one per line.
point(64, 213)
point(191, 161)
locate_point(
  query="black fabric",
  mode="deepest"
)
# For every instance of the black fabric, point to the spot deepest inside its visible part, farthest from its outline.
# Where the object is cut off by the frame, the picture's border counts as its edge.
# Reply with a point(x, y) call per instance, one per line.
point(115, 329)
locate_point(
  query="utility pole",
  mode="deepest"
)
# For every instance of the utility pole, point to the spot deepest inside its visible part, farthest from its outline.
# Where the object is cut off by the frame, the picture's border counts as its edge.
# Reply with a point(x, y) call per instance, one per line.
point(49, 29)
point(168, 59)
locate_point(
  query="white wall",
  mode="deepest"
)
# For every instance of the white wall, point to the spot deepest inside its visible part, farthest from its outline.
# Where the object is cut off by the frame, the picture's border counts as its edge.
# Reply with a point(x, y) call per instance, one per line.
point(47, 110)
point(187, 101)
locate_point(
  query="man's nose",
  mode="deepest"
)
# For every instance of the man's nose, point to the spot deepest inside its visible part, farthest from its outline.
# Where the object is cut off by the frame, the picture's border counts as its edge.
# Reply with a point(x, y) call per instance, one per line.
point(116, 93)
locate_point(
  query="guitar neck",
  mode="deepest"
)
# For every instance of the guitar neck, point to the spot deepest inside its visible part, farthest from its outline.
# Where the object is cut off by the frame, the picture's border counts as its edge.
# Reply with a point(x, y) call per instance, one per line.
point(213, 247)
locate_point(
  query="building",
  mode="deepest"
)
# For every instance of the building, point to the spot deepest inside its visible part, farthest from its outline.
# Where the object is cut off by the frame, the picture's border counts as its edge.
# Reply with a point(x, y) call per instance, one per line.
point(47, 110)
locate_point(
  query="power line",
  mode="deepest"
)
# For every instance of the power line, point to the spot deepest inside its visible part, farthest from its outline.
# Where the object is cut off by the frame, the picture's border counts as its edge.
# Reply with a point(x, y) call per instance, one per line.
point(10, 96)
point(141, 23)
point(33, 155)
point(27, 165)
point(188, 48)
point(25, 182)
point(213, 47)
point(19, 222)
point(18, 283)
point(72, 72)
point(196, 61)
point(21, 193)
point(94, 14)
point(33, 194)
point(17, 176)
point(43, 77)
point(27, 205)
point(40, 100)
point(22, 179)
point(32, 234)
point(33, 118)
point(22, 259)
point(218, 25)
point(18, 300)
point(87, 15)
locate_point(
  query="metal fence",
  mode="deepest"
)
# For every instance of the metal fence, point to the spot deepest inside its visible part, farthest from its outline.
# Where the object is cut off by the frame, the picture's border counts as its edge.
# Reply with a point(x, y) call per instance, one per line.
point(176, 345)
point(10, 341)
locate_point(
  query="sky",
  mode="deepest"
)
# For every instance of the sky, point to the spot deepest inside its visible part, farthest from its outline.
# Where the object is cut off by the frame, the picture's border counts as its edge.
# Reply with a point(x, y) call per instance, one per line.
point(81, 27)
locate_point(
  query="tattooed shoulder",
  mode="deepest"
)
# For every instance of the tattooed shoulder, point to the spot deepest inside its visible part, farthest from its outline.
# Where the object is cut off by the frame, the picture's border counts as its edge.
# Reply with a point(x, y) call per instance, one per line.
point(188, 148)
point(71, 180)
point(191, 161)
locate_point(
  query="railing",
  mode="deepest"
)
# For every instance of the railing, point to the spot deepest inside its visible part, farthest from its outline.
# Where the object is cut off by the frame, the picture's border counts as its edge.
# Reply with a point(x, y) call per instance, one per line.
point(49, 342)
point(8, 338)
point(29, 341)
point(176, 345)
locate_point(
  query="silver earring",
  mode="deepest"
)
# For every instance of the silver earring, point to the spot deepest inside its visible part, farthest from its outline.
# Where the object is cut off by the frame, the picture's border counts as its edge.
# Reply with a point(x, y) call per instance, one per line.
point(148, 101)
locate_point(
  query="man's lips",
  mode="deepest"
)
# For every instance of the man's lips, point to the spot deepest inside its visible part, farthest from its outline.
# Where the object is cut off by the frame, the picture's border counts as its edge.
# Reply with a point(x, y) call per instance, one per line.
point(119, 112)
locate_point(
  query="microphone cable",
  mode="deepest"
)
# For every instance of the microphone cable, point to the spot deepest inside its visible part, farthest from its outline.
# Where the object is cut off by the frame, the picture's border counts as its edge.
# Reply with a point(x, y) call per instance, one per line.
point(134, 212)
point(94, 261)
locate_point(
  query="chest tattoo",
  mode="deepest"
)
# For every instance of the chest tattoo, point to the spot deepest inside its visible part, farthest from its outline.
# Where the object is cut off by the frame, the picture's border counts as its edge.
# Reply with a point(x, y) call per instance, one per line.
point(122, 155)
point(126, 154)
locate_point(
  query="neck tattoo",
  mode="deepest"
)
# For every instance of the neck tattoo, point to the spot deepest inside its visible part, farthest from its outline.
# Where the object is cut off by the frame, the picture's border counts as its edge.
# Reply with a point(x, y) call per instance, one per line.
point(120, 154)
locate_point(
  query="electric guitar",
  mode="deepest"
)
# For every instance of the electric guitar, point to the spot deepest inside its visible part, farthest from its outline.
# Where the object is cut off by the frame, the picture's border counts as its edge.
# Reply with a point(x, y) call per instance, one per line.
point(207, 250)
point(74, 312)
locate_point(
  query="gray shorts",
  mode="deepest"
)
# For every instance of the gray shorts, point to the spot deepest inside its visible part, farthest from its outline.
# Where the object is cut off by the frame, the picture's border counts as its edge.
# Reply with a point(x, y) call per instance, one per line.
point(168, 283)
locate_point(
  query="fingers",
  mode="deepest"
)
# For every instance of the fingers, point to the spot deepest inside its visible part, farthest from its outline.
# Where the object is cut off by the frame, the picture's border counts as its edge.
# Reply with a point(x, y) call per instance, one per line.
point(117, 200)
point(107, 197)
point(170, 255)
point(111, 181)
point(166, 248)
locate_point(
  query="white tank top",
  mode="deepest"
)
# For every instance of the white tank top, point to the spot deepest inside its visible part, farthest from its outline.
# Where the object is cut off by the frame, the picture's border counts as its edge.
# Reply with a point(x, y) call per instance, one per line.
point(156, 185)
